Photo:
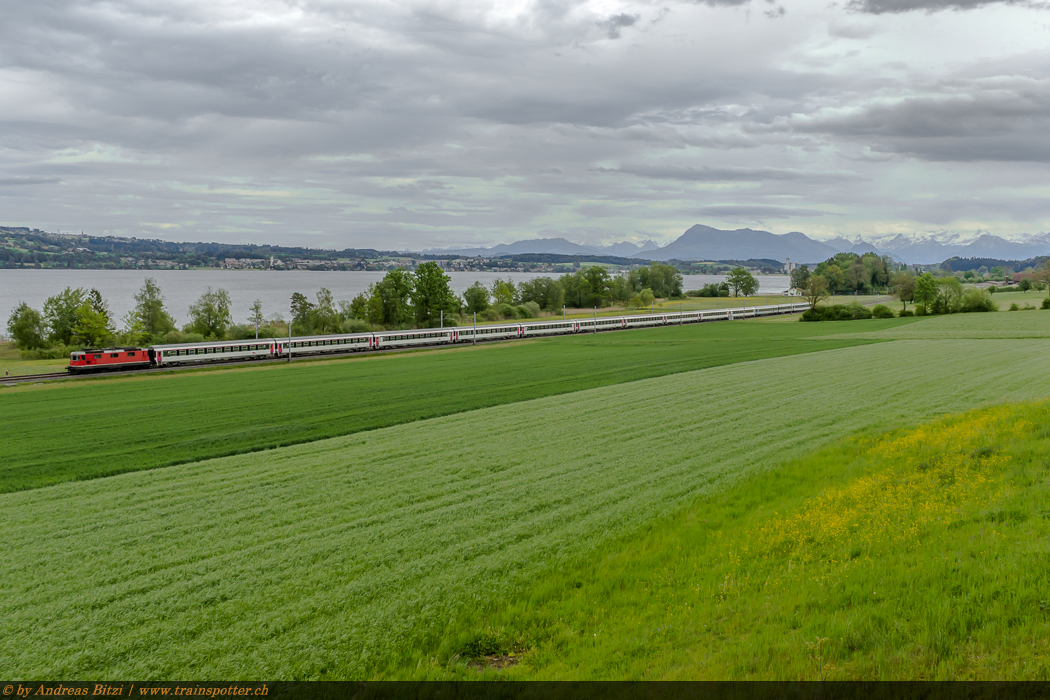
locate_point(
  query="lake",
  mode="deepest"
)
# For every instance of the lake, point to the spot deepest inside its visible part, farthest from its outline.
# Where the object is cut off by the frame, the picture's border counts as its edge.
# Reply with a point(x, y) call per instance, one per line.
point(182, 287)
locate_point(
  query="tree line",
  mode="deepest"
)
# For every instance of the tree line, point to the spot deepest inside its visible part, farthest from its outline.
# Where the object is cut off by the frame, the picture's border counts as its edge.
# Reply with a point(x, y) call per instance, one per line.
point(846, 273)
point(79, 318)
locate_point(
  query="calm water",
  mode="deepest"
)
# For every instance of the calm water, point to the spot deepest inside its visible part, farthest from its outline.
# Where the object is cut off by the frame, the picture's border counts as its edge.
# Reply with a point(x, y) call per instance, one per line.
point(182, 287)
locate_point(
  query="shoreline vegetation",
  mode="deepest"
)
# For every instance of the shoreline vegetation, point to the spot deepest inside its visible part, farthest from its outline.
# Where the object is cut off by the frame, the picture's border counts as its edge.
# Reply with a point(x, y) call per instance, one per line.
point(79, 318)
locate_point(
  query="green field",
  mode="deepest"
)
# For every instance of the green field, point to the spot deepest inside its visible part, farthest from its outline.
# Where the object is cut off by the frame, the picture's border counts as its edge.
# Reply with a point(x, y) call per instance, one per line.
point(918, 554)
point(350, 556)
point(112, 425)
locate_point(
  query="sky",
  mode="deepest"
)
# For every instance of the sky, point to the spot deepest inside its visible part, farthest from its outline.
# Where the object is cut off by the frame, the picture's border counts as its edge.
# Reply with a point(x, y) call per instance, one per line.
point(409, 125)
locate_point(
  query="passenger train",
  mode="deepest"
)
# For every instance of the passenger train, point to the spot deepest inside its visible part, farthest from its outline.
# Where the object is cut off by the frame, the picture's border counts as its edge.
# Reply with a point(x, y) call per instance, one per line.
point(272, 348)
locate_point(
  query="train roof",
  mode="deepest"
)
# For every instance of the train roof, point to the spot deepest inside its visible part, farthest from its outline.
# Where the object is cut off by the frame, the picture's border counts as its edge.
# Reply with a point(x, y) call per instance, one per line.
point(252, 341)
point(109, 350)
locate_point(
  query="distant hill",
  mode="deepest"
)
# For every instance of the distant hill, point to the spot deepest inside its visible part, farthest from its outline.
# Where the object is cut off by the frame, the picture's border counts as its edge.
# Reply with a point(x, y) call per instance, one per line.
point(964, 264)
point(551, 246)
point(706, 243)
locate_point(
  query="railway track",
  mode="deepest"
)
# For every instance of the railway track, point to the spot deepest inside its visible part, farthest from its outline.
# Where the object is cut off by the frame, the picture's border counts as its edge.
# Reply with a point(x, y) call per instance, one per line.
point(20, 378)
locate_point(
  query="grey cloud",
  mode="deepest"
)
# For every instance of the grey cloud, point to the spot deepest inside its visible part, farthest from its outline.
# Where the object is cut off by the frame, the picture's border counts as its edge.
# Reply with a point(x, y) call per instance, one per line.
point(754, 212)
point(615, 23)
point(976, 120)
point(28, 180)
point(878, 7)
point(725, 174)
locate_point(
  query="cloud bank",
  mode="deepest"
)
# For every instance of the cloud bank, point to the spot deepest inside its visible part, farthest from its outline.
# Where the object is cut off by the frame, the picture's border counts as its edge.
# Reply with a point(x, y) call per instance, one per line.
point(423, 124)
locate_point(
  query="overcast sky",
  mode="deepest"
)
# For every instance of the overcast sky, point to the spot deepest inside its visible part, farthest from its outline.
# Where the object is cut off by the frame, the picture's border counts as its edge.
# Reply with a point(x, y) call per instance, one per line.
point(417, 124)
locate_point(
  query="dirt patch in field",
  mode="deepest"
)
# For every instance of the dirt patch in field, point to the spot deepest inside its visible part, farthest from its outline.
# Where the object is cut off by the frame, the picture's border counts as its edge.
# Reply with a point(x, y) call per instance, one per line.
point(496, 661)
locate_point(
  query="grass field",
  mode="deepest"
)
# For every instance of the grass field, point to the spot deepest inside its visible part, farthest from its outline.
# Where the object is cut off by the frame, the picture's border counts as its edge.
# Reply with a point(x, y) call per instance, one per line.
point(1002, 325)
point(114, 425)
point(347, 557)
point(11, 362)
point(910, 555)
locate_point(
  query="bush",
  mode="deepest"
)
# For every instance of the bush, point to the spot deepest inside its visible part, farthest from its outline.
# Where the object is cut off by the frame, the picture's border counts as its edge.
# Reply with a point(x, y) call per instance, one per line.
point(490, 315)
point(882, 311)
point(533, 307)
point(977, 300)
point(906, 313)
point(356, 325)
point(838, 312)
point(175, 337)
point(1046, 303)
point(506, 311)
point(57, 352)
point(1014, 307)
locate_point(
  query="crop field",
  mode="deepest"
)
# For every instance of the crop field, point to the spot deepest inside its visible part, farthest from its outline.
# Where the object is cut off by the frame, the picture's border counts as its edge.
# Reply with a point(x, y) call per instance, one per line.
point(909, 555)
point(1001, 325)
point(114, 425)
point(349, 556)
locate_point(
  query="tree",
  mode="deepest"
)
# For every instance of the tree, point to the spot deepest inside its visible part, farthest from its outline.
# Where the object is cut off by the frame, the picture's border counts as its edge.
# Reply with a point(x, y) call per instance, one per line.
point(302, 323)
point(903, 286)
point(742, 282)
point(27, 327)
point(815, 290)
point(388, 299)
point(99, 306)
point(1025, 284)
point(255, 317)
point(149, 320)
point(664, 280)
point(598, 281)
point(210, 315)
point(431, 295)
point(646, 298)
point(503, 292)
point(799, 276)
point(92, 327)
point(925, 290)
point(323, 317)
point(60, 314)
point(477, 298)
point(948, 297)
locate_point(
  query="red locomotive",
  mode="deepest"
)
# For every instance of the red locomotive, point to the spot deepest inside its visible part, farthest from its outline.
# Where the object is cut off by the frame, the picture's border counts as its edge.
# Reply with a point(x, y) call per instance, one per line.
point(108, 358)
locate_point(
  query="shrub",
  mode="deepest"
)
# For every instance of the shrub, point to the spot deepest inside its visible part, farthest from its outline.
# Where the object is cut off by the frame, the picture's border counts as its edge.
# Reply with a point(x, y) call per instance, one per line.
point(882, 311)
point(1014, 307)
point(356, 325)
point(839, 312)
point(506, 311)
point(490, 315)
point(174, 337)
point(533, 308)
point(977, 300)
point(1046, 303)
point(906, 313)
point(57, 352)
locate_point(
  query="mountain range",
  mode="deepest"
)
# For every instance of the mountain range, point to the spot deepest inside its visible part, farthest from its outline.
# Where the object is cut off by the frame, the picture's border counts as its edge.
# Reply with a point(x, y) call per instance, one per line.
point(706, 243)
point(556, 246)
